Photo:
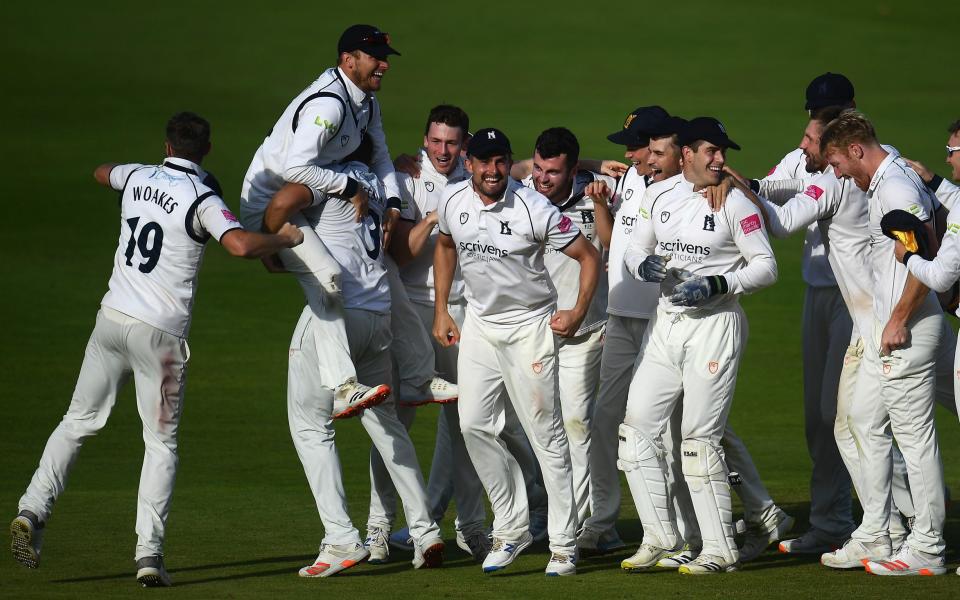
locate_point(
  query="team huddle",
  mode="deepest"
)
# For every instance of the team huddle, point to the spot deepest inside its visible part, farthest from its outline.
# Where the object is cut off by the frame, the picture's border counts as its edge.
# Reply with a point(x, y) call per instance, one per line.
point(573, 319)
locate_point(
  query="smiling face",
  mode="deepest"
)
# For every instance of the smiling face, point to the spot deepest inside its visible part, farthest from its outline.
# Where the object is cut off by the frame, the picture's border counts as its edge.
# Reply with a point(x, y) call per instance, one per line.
point(953, 159)
point(490, 175)
point(664, 158)
point(552, 177)
point(703, 167)
point(365, 71)
point(637, 155)
point(810, 144)
point(443, 144)
point(848, 162)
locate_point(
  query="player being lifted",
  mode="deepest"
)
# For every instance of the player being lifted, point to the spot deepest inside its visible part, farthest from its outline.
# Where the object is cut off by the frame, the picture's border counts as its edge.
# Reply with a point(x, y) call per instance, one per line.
point(694, 345)
point(168, 212)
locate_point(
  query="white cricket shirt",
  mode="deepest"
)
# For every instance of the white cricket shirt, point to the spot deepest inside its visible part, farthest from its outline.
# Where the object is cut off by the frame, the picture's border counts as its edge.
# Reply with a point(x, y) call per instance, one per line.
point(167, 214)
point(321, 126)
point(565, 271)
point(419, 197)
point(628, 297)
point(500, 249)
point(943, 271)
point(732, 242)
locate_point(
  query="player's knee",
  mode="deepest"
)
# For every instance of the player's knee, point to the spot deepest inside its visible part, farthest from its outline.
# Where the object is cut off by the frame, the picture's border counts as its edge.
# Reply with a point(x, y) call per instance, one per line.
point(635, 448)
point(702, 459)
point(578, 431)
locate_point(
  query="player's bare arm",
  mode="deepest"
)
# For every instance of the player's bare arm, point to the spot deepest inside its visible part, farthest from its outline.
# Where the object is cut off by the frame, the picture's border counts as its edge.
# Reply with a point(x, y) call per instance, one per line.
point(291, 199)
point(565, 323)
point(445, 329)
point(250, 244)
point(410, 165)
point(896, 334)
point(522, 169)
point(600, 193)
point(391, 217)
point(409, 240)
point(102, 173)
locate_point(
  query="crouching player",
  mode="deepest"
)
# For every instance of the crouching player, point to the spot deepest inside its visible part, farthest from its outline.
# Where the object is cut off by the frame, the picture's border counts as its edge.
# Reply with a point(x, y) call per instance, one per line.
point(693, 347)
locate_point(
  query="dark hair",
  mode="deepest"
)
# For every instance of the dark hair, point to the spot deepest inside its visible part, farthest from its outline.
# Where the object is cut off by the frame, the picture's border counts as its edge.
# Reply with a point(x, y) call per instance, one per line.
point(449, 115)
point(556, 141)
point(825, 114)
point(189, 135)
point(954, 127)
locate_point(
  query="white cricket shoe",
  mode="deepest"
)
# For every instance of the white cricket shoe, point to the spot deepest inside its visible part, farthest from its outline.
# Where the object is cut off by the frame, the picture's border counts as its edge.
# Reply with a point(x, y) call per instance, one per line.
point(352, 398)
point(854, 554)
point(686, 556)
point(428, 554)
point(908, 561)
point(334, 558)
point(708, 564)
point(759, 536)
point(151, 572)
point(476, 544)
point(561, 565)
point(502, 552)
point(812, 542)
point(26, 535)
point(437, 390)
point(646, 557)
point(402, 540)
point(591, 542)
point(378, 545)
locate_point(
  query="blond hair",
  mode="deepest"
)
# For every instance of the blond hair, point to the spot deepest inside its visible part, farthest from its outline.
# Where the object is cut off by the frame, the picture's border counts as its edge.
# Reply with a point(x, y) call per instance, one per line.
point(851, 127)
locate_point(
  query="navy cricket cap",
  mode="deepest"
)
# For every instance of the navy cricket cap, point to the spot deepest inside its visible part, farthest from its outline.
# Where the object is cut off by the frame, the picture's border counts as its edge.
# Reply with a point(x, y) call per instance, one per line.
point(637, 126)
point(668, 126)
point(708, 129)
point(368, 39)
point(488, 142)
point(908, 229)
point(829, 89)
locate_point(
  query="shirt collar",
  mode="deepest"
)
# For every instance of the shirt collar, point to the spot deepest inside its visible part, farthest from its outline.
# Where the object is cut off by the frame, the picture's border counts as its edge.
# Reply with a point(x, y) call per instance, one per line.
point(512, 185)
point(880, 170)
point(459, 172)
point(184, 166)
point(357, 96)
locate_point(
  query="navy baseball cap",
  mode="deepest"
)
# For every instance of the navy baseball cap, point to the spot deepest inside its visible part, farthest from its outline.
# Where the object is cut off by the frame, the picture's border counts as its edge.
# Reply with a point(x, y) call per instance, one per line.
point(488, 142)
point(368, 39)
point(668, 126)
point(637, 126)
point(829, 89)
point(708, 129)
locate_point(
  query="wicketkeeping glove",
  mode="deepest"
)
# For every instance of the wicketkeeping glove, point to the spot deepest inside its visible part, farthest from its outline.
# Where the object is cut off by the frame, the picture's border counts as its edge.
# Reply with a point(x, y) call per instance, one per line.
point(698, 289)
point(653, 268)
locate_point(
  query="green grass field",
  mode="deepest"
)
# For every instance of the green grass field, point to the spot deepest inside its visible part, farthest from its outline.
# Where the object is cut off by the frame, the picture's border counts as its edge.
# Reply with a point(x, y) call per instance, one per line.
point(95, 82)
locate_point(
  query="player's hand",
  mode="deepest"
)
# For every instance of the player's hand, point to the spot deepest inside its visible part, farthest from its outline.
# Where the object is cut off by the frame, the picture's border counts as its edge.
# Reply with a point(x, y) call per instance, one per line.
point(408, 164)
point(925, 174)
point(696, 289)
point(895, 335)
point(291, 235)
point(565, 323)
point(445, 329)
point(432, 218)
point(598, 191)
point(716, 195)
point(613, 168)
point(361, 202)
point(653, 268)
point(273, 264)
point(390, 218)
point(899, 250)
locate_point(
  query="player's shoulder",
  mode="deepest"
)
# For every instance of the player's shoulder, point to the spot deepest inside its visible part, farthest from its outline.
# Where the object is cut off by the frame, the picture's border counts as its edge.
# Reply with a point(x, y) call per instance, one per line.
point(738, 202)
point(528, 195)
point(665, 188)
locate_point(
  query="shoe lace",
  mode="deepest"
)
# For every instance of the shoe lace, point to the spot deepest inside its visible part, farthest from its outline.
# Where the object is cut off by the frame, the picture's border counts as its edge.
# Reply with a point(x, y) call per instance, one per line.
point(498, 545)
point(376, 536)
point(558, 557)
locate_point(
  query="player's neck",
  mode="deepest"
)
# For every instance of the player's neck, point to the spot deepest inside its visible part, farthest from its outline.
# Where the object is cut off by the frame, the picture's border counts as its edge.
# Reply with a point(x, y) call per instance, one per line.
point(873, 157)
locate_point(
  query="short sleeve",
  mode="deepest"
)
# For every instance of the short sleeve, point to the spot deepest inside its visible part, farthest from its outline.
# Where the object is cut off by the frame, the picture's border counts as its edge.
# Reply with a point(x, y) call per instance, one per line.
point(899, 194)
point(120, 173)
point(557, 229)
point(408, 206)
point(215, 218)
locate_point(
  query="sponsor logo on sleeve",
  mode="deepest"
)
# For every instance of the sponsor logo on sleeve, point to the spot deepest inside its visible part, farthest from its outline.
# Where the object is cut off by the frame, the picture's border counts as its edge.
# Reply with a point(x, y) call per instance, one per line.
point(813, 191)
point(750, 224)
point(565, 224)
point(953, 228)
point(644, 214)
point(229, 216)
point(325, 124)
point(914, 209)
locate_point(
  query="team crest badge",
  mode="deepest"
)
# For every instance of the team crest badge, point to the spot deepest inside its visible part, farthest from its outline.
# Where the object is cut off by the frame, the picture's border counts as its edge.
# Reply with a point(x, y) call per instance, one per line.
point(537, 367)
point(713, 366)
point(429, 186)
point(464, 217)
point(344, 139)
point(627, 194)
point(709, 224)
point(664, 217)
point(886, 369)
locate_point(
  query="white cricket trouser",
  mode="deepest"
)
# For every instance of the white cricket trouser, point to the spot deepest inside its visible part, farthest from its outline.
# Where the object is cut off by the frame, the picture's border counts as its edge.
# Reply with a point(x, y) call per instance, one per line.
point(310, 262)
point(826, 328)
point(696, 358)
point(457, 469)
point(621, 350)
point(309, 405)
point(523, 360)
point(895, 394)
point(412, 348)
point(118, 347)
point(579, 375)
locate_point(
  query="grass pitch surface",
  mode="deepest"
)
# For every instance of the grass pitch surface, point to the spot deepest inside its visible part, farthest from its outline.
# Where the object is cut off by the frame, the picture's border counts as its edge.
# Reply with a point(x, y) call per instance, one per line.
point(91, 83)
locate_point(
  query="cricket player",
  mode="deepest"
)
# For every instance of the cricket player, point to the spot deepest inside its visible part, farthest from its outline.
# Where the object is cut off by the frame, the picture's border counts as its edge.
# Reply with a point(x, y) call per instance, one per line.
point(693, 346)
point(357, 247)
point(497, 232)
point(896, 381)
point(168, 212)
point(556, 175)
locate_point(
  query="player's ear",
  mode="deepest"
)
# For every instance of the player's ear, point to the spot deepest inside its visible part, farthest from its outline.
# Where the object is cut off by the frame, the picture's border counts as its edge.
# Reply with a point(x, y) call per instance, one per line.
point(167, 148)
point(469, 164)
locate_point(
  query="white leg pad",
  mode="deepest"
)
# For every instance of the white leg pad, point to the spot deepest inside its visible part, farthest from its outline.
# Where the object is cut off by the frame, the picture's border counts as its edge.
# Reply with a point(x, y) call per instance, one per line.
point(706, 476)
point(642, 462)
